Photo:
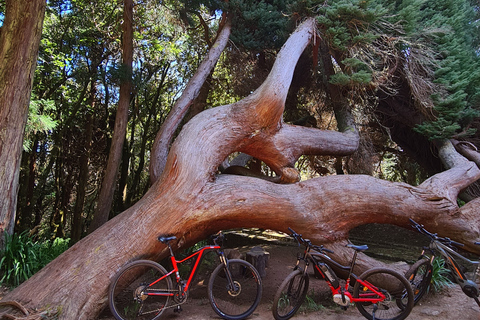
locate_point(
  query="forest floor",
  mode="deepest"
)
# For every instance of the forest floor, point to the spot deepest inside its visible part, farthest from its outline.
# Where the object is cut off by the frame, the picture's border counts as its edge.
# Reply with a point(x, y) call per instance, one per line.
point(449, 304)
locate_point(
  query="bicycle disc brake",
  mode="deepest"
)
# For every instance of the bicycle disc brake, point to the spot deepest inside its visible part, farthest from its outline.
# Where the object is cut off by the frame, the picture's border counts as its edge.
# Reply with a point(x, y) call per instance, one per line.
point(235, 291)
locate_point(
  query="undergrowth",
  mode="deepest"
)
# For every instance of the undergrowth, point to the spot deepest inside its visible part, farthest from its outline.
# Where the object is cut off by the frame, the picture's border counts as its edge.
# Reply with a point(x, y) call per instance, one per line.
point(23, 257)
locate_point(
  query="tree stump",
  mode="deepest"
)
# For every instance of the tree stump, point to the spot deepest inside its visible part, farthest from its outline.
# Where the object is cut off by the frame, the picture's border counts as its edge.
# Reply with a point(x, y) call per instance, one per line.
point(259, 259)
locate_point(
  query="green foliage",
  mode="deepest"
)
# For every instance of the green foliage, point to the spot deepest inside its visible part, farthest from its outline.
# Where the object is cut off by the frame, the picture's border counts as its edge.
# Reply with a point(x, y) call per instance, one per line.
point(346, 23)
point(440, 275)
point(348, 26)
point(38, 120)
point(23, 257)
point(261, 24)
point(309, 304)
point(455, 37)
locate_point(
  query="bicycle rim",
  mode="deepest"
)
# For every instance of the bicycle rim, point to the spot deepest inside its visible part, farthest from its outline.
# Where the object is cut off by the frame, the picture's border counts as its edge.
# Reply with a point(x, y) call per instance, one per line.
point(128, 297)
point(398, 302)
point(290, 295)
point(239, 299)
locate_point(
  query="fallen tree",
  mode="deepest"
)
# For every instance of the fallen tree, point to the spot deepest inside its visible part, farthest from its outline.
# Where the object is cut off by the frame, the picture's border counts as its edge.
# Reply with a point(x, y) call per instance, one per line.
point(191, 199)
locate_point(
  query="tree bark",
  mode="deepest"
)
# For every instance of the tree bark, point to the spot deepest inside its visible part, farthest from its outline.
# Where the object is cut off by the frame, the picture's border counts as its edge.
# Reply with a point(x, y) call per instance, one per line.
point(104, 202)
point(190, 200)
point(19, 43)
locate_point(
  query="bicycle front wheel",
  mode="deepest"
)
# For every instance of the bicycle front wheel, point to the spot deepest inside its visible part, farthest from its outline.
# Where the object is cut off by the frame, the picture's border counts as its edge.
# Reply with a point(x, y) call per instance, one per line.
point(290, 295)
point(235, 291)
point(398, 301)
point(130, 295)
point(420, 275)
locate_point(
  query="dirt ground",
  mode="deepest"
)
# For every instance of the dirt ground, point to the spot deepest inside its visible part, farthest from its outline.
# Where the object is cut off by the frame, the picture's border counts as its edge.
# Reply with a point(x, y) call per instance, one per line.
point(450, 304)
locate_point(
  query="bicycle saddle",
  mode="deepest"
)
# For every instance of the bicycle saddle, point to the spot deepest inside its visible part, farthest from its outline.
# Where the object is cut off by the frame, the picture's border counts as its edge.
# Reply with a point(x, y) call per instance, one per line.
point(165, 239)
point(358, 248)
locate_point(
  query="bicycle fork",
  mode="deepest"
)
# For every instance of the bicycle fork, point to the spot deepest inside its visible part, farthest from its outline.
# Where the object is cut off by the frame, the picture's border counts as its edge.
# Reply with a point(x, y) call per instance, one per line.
point(233, 286)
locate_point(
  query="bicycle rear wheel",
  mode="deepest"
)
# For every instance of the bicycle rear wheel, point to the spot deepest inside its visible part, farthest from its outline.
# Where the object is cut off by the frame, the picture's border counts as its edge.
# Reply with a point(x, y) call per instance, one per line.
point(420, 276)
point(290, 295)
point(239, 298)
point(398, 302)
point(128, 298)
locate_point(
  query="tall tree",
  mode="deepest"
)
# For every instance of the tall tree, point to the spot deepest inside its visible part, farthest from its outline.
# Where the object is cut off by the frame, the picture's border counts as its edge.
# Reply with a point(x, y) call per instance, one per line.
point(107, 190)
point(19, 41)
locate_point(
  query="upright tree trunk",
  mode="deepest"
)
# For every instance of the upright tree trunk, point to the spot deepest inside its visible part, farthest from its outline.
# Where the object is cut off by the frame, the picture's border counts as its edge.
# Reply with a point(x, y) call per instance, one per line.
point(19, 42)
point(104, 202)
point(77, 221)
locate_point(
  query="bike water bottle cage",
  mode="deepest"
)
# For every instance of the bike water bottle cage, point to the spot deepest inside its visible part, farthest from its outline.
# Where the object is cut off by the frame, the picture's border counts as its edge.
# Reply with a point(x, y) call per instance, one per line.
point(166, 239)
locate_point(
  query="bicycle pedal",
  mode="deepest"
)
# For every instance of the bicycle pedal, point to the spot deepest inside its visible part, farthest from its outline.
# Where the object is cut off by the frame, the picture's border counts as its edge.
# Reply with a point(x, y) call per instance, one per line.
point(177, 309)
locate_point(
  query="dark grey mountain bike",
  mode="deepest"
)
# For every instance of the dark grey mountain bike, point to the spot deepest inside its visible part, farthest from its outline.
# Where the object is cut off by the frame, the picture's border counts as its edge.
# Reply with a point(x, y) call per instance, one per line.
point(420, 273)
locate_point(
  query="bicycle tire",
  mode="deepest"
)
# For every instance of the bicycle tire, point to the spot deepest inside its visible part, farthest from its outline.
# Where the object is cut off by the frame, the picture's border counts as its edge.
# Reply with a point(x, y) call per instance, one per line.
point(241, 301)
point(290, 295)
point(420, 276)
point(126, 298)
point(399, 295)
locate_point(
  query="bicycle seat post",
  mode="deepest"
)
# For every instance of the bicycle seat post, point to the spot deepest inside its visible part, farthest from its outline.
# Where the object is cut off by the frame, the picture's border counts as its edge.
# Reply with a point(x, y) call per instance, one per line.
point(354, 259)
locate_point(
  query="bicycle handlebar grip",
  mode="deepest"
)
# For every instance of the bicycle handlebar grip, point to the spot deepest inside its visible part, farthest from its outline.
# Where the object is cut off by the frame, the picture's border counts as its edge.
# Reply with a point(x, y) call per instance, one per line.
point(328, 250)
point(458, 244)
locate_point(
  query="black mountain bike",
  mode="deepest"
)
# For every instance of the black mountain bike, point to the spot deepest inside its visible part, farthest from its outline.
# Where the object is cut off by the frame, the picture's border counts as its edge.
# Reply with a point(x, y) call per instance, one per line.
point(143, 289)
point(378, 293)
point(420, 273)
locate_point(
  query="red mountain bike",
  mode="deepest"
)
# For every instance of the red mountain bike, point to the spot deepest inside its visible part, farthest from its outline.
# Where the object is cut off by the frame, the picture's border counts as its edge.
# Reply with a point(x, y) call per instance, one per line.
point(378, 293)
point(143, 289)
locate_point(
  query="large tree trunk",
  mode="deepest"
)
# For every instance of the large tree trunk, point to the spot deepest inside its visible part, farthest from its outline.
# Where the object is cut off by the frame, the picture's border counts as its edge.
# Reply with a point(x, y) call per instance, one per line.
point(19, 42)
point(190, 200)
point(104, 202)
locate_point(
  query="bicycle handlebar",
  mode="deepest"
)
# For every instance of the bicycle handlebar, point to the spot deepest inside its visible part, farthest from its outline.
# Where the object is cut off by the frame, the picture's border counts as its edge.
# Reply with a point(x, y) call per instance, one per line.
point(307, 242)
point(420, 228)
point(218, 237)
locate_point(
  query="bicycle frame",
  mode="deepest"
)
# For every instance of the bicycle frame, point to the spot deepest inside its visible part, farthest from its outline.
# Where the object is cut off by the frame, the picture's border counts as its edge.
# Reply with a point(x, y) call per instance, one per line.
point(175, 263)
point(449, 254)
point(330, 277)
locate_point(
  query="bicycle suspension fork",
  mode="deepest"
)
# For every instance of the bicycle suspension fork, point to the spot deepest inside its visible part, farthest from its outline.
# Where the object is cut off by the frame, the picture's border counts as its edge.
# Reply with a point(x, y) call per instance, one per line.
point(232, 286)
